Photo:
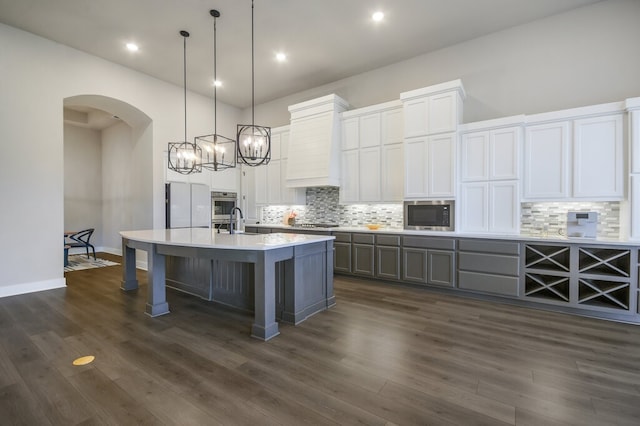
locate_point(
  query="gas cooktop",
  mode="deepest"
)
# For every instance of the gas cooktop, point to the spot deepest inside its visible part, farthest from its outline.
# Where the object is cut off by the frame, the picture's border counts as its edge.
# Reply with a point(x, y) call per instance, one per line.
point(316, 225)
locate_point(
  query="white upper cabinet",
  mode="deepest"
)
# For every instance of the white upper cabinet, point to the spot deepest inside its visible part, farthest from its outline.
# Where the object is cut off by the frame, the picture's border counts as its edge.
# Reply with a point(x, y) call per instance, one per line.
point(490, 154)
point(504, 153)
point(349, 189)
point(546, 161)
point(434, 109)
point(370, 130)
point(634, 133)
point(371, 144)
point(474, 154)
point(430, 167)
point(490, 176)
point(431, 118)
point(351, 133)
point(392, 178)
point(578, 158)
point(392, 126)
point(598, 157)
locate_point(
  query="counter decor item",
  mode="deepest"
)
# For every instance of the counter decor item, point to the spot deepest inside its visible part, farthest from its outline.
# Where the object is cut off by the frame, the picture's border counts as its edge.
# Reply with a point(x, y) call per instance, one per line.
point(373, 226)
point(291, 218)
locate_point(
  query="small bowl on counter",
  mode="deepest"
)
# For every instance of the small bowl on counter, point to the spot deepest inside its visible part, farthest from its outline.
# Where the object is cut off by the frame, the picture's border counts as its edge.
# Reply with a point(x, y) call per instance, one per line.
point(373, 226)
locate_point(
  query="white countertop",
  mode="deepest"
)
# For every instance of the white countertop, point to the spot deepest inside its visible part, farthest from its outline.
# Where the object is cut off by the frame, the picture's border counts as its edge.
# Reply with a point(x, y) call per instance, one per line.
point(514, 237)
point(209, 238)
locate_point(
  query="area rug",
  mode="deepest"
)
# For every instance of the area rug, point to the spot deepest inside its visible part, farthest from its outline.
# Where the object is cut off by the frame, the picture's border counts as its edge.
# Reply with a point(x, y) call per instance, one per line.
point(80, 262)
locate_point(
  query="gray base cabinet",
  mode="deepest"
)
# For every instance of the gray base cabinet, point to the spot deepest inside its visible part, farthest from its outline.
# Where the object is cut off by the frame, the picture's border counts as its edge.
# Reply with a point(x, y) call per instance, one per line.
point(571, 276)
point(342, 257)
point(388, 262)
point(414, 265)
point(489, 266)
point(428, 260)
point(388, 257)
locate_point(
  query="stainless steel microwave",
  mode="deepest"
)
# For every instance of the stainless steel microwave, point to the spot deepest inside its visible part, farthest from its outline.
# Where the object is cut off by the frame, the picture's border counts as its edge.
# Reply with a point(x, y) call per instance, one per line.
point(432, 215)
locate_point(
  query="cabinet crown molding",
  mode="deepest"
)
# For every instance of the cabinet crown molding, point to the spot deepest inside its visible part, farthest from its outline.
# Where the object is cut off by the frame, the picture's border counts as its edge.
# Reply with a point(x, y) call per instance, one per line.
point(333, 103)
point(386, 106)
point(572, 113)
point(632, 104)
point(435, 89)
point(515, 120)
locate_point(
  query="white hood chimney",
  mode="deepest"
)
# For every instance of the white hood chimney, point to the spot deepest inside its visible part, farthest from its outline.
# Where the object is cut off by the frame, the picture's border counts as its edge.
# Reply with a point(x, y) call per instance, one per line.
point(314, 142)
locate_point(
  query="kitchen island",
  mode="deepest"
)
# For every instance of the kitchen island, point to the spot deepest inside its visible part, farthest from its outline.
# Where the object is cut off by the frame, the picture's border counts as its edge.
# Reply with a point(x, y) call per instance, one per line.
point(305, 261)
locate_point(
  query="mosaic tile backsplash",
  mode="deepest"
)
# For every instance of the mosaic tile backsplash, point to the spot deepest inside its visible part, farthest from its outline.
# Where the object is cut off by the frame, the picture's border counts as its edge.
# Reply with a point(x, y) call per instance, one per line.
point(323, 207)
point(535, 216)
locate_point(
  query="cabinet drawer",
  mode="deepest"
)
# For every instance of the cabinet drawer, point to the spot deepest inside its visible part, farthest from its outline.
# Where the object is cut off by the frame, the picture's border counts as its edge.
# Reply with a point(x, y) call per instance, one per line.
point(484, 246)
point(428, 242)
point(342, 237)
point(488, 283)
point(489, 263)
point(388, 240)
point(362, 238)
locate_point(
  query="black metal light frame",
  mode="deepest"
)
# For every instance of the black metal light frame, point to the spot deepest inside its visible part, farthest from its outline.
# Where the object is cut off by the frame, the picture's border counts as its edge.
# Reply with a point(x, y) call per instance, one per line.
point(184, 157)
point(253, 142)
point(216, 147)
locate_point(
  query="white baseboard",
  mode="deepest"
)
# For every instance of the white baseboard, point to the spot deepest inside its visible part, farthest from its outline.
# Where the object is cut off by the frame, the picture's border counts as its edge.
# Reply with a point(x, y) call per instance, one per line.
point(24, 288)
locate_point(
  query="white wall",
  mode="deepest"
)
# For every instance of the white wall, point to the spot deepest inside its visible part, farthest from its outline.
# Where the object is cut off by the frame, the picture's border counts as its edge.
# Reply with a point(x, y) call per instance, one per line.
point(82, 181)
point(37, 75)
point(582, 57)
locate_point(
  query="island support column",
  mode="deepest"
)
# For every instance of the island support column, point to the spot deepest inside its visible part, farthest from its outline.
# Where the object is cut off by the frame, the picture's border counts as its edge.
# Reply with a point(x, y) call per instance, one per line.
point(156, 293)
point(265, 326)
point(129, 279)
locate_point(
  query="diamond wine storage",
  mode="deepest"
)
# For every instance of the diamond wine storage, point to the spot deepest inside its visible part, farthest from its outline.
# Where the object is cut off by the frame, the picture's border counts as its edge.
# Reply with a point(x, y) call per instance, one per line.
point(601, 278)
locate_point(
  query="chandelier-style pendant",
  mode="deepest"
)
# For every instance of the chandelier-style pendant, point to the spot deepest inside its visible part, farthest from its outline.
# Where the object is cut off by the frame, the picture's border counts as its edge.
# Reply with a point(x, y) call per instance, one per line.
point(254, 144)
point(218, 152)
point(184, 157)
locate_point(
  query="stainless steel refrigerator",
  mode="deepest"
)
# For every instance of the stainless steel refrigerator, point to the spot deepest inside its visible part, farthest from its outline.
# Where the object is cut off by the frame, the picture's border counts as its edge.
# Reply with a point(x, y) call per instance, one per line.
point(187, 205)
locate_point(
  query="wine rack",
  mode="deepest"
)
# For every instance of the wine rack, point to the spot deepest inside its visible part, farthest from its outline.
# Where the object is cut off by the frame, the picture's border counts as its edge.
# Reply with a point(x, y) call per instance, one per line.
point(547, 273)
point(594, 278)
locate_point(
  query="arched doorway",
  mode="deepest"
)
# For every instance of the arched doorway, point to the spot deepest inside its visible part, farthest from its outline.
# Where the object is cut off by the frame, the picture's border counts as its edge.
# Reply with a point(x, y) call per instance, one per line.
point(108, 152)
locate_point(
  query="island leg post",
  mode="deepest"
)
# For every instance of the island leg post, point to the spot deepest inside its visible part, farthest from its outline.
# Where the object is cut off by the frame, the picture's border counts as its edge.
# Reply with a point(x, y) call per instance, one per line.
point(156, 293)
point(129, 280)
point(265, 326)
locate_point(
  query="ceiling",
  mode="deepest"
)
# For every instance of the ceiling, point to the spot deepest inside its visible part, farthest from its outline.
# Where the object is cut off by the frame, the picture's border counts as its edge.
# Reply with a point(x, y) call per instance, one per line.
point(325, 40)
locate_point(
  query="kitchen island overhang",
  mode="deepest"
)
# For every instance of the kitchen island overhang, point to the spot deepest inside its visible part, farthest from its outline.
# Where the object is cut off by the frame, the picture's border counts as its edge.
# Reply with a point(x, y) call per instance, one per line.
point(305, 262)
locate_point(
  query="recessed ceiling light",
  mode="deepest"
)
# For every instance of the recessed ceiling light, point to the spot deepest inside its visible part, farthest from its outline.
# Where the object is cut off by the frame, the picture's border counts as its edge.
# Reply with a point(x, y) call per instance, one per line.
point(217, 83)
point(132, 47)
point(377, 16)
point(281, 57)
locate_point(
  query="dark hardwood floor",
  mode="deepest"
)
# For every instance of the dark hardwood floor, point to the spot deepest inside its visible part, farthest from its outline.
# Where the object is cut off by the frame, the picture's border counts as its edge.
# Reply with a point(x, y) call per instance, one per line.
point(383, 355)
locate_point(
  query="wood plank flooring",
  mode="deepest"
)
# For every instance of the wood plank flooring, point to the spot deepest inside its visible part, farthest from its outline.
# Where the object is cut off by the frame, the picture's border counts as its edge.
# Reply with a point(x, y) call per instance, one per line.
point(384, 355)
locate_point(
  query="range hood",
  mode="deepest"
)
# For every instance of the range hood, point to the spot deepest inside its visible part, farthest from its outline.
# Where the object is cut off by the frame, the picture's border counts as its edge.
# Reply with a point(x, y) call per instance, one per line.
point(314, 142)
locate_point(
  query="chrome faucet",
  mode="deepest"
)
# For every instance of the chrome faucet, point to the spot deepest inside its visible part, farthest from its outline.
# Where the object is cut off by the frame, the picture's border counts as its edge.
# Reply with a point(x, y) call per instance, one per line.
point(233, 210)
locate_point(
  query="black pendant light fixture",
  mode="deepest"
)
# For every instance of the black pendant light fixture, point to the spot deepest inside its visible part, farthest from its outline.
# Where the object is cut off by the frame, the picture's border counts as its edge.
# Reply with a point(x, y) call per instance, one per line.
point(254, 142)
point(184, 157)
point(218, 152)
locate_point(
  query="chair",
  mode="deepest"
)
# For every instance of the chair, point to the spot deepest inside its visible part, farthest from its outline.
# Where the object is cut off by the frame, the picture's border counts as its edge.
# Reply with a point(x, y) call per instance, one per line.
point(81, 239)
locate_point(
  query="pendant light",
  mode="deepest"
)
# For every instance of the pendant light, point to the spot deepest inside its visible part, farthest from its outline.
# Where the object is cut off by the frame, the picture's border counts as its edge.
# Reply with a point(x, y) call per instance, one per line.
point(254, 142)
point(218, 152)
point(184, 157)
